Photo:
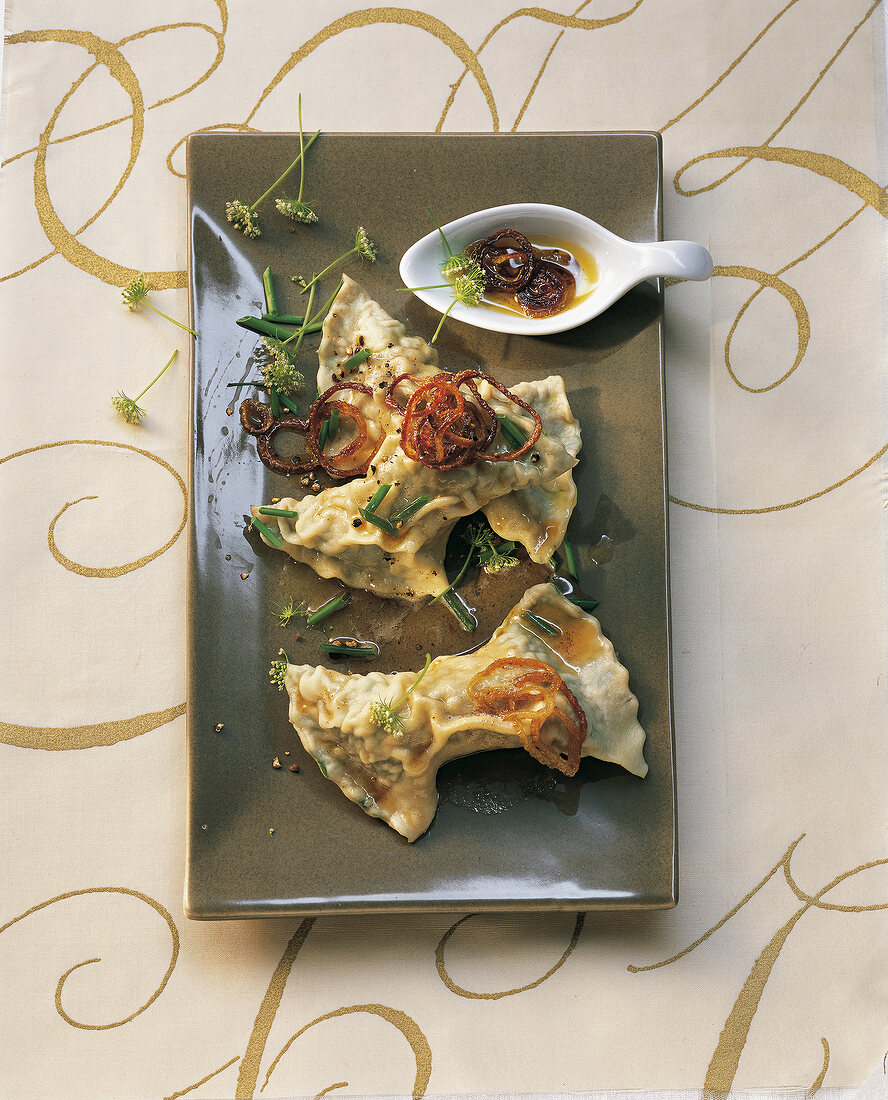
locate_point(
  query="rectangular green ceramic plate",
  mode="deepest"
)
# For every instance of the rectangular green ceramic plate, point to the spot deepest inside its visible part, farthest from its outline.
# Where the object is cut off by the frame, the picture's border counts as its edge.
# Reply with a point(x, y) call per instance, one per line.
point(509, 834)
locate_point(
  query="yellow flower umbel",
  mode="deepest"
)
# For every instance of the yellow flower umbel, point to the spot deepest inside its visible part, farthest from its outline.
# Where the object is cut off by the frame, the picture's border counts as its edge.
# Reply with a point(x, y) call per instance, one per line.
point(244, 215)
point(385, 715)
point(135, 294)
point(128, 407)
point(295, 209)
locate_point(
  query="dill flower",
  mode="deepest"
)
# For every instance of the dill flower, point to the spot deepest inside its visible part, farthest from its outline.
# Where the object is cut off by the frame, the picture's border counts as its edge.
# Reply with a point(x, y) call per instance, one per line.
point(458, 264)
point(244, 217)
point(385, 714)
point(278, 671)
point(135, 294)
point(277, 369)
point(128, 407)
point(296, 210)
point(364, 247)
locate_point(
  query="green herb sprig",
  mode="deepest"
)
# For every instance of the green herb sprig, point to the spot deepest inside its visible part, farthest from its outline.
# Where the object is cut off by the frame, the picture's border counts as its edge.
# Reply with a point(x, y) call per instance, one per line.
point(295, 209)
point(135, 294)
point(385, 714)
point(244, 216)
point(128, 407)
point(363, 247)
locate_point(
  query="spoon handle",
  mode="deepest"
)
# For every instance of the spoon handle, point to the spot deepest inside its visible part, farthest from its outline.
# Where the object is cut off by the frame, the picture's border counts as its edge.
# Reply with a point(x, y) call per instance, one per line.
point(674, 259)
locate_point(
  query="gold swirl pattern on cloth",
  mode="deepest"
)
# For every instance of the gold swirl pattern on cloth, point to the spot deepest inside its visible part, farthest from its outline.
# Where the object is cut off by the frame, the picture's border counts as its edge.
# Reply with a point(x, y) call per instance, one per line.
point(732, 1040)
point(62, 739)
point(174, 934)
point(460, 991)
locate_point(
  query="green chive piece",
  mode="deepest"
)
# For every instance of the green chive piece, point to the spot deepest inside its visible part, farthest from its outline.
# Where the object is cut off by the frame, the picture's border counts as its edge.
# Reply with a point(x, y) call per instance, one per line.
point(275, 331)
point(333, 421)
point(287, 513)
point(583, 605)
point(268, 290)
point(272, 536)
point(356, 359)
point(378, 521)
point(274, 398)
point(570, 558)
point(515, 437)
point(400, 518)
point(282, 318)
point(542, 624)
point(322, 435)
point(340, 649)
point(466, 620)
point(259, 383)
point(289, 403)
point(378, 498)
point(329, 608)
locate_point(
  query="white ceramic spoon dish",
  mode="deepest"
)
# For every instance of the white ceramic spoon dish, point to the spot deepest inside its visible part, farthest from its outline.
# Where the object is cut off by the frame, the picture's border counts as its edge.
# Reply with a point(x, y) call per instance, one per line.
point(621, 264)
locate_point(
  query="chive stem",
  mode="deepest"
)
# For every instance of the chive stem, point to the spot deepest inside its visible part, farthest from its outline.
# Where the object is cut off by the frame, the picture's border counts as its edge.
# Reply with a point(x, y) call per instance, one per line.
point(289, 403)
point(354, 360)
point(286, 173)
point(282, 318)
point(322, 435)
point(378, 498)
point(274, 538)
point(268, 291)
point(299, 334)
point(400, 518)
point(466, 620)
point(459, 576)
point(333, 422)
point(570, 559)
point(340, 650)
point(583, 605)
point(514, 435)
point(329, 608)
point(268, 328)
point(258, 383)
point(542, 624)
point(287, 513)
point(378, 521)
point(274, 400)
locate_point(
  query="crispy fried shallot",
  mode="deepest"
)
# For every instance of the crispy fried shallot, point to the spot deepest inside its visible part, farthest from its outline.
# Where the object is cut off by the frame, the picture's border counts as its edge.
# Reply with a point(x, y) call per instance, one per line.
point(445, 428)
point(524, 692)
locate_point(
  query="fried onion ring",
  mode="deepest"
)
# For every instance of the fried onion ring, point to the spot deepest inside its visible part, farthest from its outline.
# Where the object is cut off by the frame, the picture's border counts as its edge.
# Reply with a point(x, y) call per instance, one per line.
point(446, 429)
point(360, 446)
point(523, 692)
point(507, 259)
point(548, 291)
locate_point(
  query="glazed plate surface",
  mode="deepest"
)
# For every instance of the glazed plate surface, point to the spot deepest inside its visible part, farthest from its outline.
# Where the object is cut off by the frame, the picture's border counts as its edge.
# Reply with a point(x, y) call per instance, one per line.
point(509, 834)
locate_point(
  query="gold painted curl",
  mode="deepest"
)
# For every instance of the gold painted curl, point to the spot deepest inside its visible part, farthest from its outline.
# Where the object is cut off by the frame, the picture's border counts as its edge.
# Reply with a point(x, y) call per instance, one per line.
point(408, 1027)
point(733, 1037)
point(461, 991)
point(116, 570)
point(543, 15)
point(174, 933)
point(64, 242)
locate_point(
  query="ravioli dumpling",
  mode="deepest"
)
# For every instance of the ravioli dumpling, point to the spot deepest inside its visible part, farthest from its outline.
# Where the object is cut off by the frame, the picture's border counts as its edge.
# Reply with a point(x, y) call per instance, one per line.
point(391, 775)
